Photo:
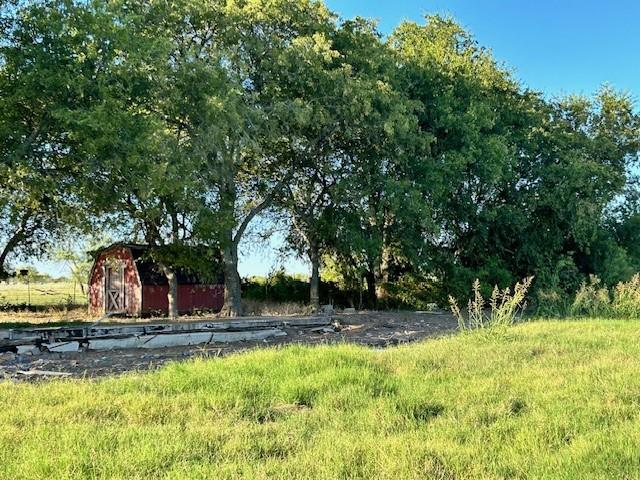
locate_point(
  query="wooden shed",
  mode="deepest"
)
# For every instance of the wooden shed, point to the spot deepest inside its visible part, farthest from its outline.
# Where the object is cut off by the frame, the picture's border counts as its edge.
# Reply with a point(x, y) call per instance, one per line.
point(126, 281)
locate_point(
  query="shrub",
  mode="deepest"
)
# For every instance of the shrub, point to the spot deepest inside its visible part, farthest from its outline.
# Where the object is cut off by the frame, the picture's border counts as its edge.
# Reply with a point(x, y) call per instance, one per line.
point(280, 287)
point(277, 287)
point(411, 291)
point(505, 306)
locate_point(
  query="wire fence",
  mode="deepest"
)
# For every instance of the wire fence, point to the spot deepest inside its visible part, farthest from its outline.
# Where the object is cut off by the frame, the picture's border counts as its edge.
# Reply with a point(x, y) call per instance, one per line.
point(35, 294)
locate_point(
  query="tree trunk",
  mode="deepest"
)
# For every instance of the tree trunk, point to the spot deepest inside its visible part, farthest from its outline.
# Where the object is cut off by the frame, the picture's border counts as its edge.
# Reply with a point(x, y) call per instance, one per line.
point(370, 277)
point(232, 287)
point(11, 244)
point(3, 256)
point(314, 294)
point(382, 273)
point(172, 294)
point(228, 196)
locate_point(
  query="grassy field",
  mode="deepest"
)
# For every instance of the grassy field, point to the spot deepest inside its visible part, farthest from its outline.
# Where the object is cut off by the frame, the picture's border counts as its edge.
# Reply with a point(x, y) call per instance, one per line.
point(542, 400)
point(42, 294)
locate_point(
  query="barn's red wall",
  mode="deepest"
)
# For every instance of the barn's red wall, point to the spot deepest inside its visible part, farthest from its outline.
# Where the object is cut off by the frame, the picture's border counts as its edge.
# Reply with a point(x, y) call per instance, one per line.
point(190, 298)
point(132, 286)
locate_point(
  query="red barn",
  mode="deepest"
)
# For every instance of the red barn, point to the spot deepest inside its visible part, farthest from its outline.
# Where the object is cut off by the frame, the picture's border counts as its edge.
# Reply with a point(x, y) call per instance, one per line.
point(125, 280)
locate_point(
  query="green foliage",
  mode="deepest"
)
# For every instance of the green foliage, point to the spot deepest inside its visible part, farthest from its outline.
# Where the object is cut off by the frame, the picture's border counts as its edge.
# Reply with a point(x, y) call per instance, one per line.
point(410, 291)
point(278, 287)
point(549, 303)
point(284, 288)
point(38, 166)
point(414, 157)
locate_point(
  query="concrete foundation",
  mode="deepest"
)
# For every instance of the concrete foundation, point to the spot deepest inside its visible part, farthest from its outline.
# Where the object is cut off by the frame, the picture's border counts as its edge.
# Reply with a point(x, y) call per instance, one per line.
point(155, 335)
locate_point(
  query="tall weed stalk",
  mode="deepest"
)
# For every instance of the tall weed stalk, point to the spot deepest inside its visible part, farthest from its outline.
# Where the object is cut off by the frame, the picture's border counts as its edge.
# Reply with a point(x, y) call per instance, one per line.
point(505, 306)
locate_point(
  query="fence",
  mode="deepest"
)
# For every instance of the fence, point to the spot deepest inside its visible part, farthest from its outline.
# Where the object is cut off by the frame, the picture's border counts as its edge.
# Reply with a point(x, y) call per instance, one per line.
point(35, 294)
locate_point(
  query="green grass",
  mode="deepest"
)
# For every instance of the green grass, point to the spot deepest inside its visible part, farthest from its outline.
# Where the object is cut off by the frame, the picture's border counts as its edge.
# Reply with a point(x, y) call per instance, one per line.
point(42, 294)
point(542, 400)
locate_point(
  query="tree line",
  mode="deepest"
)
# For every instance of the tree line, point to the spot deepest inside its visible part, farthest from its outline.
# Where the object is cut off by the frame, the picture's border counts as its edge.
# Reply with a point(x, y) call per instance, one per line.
point(404, 165)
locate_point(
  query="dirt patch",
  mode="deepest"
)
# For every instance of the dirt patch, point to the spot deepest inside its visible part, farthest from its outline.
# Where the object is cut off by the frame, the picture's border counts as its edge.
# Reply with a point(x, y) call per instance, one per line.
point(375, 329)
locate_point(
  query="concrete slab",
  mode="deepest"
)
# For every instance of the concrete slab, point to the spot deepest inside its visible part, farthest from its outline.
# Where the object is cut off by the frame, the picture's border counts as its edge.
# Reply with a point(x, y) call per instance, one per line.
point(62, 347)
point(180, 339)
point(58, 334)
point(27, 350)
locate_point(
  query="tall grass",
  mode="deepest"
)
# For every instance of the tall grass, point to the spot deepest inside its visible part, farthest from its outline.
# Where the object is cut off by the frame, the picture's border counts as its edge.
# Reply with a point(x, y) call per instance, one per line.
point(595, 299)
point(626, 298)
point(504, 306)
point(551, 400)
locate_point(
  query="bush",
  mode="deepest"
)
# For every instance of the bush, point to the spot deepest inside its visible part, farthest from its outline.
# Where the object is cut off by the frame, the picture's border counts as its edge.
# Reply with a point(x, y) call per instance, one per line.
point(411, 291)
point(281, 287)
point(505, 306)
point(455, 279)
point(278, 287)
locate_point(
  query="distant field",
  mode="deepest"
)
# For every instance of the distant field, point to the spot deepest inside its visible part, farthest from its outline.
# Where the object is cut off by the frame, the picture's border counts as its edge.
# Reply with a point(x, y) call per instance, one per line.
point(42, 294)
point(542, 400)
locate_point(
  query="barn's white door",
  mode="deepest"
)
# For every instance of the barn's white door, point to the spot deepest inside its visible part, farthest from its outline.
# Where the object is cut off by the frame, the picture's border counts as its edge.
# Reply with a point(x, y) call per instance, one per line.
point(114, 289)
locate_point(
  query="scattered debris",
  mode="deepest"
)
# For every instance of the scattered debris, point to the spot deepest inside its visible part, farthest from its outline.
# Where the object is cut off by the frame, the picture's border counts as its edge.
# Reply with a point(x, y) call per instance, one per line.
point(159, 335)
point(43, 373)
point(375, 329)
point(330, 329)
point(327, 309)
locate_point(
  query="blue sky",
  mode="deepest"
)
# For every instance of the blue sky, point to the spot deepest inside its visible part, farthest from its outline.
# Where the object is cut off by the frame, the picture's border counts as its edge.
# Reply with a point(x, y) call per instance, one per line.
point(556, 47)
point(562, 46)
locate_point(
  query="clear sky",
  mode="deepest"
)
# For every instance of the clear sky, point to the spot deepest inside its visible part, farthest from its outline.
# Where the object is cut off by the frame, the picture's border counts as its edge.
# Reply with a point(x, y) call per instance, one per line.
point(562, 46)
point(556, 47)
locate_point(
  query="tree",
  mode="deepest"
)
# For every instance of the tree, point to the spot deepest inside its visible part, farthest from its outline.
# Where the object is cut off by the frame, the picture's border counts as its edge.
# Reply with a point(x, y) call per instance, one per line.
point(325, 89)
point(191, 153)
point(253, 167)
point(146, 170)
point(101, 110)
point(382, 208)
point(38, 201)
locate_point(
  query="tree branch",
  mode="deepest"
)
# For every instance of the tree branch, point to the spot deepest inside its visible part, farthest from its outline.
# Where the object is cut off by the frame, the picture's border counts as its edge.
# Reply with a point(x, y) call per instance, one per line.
point(264, 204)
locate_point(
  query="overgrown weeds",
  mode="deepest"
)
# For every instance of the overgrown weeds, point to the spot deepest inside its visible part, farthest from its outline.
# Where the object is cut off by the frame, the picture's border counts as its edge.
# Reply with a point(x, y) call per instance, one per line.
point(595, 299)
point(503, 309)
point(592, 299)
point(626, 298)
